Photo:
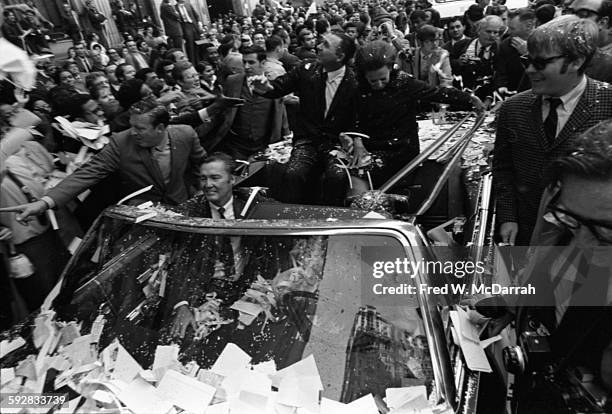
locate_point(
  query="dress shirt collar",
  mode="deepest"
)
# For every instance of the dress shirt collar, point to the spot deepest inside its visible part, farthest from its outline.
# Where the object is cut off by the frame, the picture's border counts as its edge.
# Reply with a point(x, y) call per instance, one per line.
point(570, 99)
point(163, 145)
point(336, 75)
point(274, 60)
point(228, 209)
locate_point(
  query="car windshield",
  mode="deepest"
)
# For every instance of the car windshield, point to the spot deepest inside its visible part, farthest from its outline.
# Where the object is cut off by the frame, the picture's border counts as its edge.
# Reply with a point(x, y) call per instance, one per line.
point(279, 297)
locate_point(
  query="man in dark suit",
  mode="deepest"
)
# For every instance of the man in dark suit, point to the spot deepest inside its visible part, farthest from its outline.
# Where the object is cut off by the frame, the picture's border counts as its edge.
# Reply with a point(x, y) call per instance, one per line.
point(328, 92)
point(247, 129)
point(509, 71)
point(172, 25)
point(217, 202)
point(456, 32)
point(134, 56)
point(474, 59)
point(84, 63)
point(151, 152)
point(539, 125)
point(190, 22)
point(97, 20)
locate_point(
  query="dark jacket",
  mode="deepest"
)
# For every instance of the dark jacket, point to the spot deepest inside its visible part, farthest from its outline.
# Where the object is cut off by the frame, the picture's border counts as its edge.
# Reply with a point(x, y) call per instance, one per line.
point(522, 154)
point(233, 87)
point(473, 71)
point(193, 287)
point(137, 168)
point(308, 83)
point(171, 19)
point(509, 71)
point(95, 18)
point(388, 116)
point(12, 33)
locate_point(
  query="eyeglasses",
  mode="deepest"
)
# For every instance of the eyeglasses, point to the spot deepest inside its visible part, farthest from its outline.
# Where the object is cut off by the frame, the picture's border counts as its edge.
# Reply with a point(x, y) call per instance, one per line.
point(585, 14)
point(539, 63)
point(601, 230)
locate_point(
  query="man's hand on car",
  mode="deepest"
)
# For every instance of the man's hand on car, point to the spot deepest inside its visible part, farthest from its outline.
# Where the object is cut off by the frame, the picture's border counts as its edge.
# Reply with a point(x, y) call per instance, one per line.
point(182, 320)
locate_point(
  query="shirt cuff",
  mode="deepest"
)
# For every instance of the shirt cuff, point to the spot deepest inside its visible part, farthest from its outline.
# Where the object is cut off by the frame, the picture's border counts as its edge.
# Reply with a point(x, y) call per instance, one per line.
point(181, 303)
point(204, 116)
point(50, 202)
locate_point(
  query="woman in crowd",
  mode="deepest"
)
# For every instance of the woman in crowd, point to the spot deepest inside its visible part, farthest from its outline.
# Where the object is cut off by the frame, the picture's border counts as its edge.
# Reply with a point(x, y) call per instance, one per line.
point(70, 54)
point(430, 63)
point(387, 110)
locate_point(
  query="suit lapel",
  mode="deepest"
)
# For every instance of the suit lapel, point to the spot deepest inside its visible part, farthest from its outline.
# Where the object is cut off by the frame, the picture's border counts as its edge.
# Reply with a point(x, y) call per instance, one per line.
point(152, 167)
point(238, 206)
point(535, 118)
point(233, 89)
point(580, 115)
point(320, 85)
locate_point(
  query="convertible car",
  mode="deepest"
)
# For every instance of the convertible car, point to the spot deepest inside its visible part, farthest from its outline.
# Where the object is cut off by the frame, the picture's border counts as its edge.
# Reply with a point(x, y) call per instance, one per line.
point(309, 280)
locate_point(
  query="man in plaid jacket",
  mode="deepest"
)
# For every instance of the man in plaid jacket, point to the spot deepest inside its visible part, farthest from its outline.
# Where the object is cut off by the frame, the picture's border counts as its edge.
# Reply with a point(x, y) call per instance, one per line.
point(539, 125)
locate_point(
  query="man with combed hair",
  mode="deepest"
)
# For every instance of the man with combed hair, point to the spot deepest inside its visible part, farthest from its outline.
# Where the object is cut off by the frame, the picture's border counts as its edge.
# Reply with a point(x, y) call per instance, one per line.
point(474, 59)
point(539, 125)
point(151, 152)
point(509, 71)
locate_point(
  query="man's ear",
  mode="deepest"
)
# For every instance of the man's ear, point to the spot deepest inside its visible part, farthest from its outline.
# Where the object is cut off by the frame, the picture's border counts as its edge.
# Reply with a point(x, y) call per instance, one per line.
point(575, 65)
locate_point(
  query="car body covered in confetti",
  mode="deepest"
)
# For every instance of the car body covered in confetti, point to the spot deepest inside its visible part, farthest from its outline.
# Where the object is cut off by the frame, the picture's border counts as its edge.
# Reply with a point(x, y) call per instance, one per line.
point(305, 287)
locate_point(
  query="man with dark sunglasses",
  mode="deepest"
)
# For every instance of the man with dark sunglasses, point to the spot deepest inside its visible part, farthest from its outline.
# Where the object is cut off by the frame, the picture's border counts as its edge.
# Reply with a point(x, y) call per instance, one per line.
point(539, 125)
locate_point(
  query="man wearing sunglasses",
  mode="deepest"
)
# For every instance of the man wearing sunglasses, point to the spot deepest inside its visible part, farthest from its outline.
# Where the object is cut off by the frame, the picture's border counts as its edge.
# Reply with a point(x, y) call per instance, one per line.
point(539, 125)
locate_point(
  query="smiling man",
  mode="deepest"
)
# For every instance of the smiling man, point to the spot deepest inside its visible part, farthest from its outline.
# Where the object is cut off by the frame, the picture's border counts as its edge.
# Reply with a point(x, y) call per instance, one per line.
point(539, 125)
point(328, 95)
point(220, 203)
point(151, 152)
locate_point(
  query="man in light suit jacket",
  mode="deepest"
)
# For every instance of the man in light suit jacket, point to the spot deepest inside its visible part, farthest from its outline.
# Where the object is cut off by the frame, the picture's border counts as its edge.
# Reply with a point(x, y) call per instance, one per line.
point(151, 152)
point(539, 125)
point(172, 25)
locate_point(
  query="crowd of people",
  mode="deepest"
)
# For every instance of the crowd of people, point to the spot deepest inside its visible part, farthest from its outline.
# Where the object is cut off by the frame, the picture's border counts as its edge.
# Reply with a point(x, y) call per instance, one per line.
point(308, 75)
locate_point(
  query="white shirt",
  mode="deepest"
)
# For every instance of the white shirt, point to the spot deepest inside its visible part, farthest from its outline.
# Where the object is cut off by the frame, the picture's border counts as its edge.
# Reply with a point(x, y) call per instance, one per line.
point(228, 212)
point(569, 102)
point(184, 13)
point(331, 86)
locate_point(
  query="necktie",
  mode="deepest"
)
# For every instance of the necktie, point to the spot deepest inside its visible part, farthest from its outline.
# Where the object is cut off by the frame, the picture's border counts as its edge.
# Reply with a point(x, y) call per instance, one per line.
point(85, 65)
point(550, 124)
point(221, 210)
point(184, 13)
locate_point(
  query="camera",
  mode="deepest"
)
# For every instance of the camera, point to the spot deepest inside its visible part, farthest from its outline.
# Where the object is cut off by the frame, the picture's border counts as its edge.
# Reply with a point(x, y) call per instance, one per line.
point(531, 354)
